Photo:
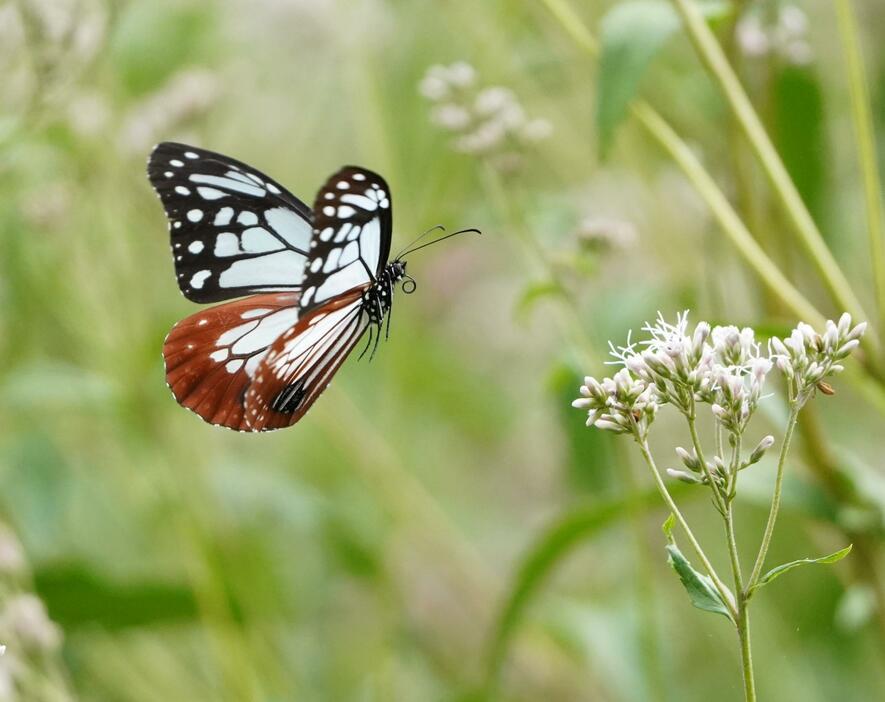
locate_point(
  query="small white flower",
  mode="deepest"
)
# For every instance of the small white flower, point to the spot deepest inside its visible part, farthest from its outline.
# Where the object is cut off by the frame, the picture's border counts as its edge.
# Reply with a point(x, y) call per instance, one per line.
point(461, 74)
point(24, 618)
point(450, 116)
point(537, 130)
point(12, 557)
point(494, 99)
point(433, 87)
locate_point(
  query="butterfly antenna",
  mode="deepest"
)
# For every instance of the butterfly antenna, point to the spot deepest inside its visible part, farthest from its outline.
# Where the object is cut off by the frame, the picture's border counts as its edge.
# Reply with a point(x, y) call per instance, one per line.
point(421, 236)
point(436, 241)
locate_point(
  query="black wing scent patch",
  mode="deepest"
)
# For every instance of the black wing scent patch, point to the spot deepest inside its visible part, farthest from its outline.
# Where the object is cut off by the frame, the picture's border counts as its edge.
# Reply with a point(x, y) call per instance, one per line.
point(351, 235)
point(234, 230)
point(300, 363)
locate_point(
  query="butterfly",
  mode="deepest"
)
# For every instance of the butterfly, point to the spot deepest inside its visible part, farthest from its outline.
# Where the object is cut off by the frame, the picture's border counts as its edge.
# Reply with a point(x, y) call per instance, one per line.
point(310, 283)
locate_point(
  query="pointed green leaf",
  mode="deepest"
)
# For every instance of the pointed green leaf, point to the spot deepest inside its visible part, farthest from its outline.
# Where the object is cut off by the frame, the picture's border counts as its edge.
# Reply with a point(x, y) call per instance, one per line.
point(667, 527)
point(700, 588)
point(631, 34)
point(781, 569)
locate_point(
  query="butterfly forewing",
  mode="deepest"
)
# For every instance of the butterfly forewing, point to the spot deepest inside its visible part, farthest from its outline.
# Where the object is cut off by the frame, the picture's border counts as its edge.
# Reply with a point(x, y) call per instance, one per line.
point(234, 230)
point(351, 236)
point(213, 355)
point(301, 362)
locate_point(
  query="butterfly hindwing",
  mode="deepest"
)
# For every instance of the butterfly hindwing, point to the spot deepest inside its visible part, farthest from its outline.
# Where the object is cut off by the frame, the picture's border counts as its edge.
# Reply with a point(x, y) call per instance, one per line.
point(234, 231)
point(301, 362)
point(351, 235)
point(212, 356)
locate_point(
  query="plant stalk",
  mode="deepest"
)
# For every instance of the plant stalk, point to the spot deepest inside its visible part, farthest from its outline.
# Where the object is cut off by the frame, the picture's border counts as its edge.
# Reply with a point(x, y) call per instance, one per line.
point(776, 496)
point(721, 588)
point(717, 64)
point(864, 134)
point(743, 630)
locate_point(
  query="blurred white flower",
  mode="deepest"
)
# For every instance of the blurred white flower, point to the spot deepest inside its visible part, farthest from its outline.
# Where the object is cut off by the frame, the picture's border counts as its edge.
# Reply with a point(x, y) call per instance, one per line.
point(784, 36)
point(187, 94)
point(487, 121)
point(451, 117)
point(88, 114)
point(12, 556)
point(24, 619)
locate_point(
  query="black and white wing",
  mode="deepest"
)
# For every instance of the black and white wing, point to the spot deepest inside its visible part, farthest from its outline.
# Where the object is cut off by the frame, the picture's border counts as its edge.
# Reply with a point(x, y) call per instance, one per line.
point(351, 235)
point(234, 230)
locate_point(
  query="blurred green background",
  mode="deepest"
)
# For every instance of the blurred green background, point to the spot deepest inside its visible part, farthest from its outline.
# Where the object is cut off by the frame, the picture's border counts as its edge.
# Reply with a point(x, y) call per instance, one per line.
point(365, 553)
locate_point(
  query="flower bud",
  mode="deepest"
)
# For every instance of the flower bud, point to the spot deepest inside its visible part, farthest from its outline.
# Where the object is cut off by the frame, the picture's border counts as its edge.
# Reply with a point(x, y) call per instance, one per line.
point(766, 443)
point(683, 476)
point(689, 460)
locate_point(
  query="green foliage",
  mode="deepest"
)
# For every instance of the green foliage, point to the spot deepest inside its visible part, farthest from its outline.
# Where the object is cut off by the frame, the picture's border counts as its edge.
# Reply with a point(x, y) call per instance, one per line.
point(632, 33)
point(777, 571)
point(699, 587)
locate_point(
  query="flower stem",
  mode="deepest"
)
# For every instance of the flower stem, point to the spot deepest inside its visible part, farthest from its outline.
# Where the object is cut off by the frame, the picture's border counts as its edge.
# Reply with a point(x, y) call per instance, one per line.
point(721, 588)
point(743, 629)
point(718, 500)
point(866, 146)
point(776, 496)
point(714, 59)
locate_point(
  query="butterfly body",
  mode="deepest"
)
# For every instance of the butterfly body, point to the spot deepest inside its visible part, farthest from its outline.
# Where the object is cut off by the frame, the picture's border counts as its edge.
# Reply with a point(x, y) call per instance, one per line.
point(316, 280)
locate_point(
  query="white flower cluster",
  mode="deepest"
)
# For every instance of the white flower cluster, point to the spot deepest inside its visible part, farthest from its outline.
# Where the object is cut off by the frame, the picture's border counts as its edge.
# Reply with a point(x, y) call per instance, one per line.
point(30, 639)
point(622, 404)
point(487, 121)
point(785, 36)
point(806, 357)
point(722, 366)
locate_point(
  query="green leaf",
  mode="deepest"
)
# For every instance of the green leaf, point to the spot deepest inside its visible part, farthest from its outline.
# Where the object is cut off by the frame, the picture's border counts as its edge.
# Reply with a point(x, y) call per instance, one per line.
point(781, 569)
point(700, 588)
point(631, 34)
point(667, 527)
point(79, 597)
point(551, 547)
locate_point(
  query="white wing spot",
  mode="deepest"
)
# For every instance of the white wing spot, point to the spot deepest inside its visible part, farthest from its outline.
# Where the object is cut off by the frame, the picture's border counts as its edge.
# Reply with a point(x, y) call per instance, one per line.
point(208, 193)
point(198, 278)
point(168, 174)
point(329, 196)
point(195, 247)
point(190, 154)
point(359, 176)
point(342, 185)
point(181, 190)
point(360, 201)
point(176, 225)
point(273, 189)
point(247, 218)
point(203, 322)
point(384, 204)
point(249, 314)
point(195, 215)
point(346, 211)
point(223, 216)
point(175, 162)
point(328, 210)
point(234, 366)
point(315, 265)
point(219, 356)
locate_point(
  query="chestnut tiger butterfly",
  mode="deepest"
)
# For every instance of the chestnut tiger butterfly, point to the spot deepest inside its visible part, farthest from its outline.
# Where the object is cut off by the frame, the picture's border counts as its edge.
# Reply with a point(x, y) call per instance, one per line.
point(310, 283)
